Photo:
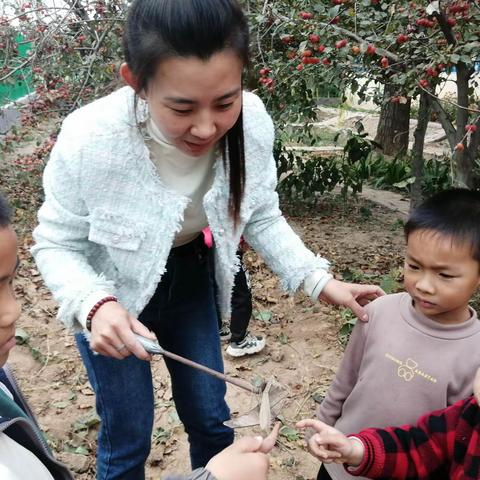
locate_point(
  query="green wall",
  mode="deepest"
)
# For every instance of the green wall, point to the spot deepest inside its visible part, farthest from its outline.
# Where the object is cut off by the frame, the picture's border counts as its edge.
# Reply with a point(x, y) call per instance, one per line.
point(19, 84)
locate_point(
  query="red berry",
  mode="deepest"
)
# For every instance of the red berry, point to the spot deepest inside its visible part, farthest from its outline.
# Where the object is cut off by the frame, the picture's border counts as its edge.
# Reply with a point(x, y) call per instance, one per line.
point(341, 43)
point(310, 60)
point(326, 61)
point(402, 38)
point(321, 48)
point(314, 38)
point(460, 147)
point(264, 71)
point(299, 67)
point(423, 83)
point(371, 49)
point(471, 128)
point(384, 62)
point(287, 38)
point(307, 53)
point(306, 15)
point(451, 21)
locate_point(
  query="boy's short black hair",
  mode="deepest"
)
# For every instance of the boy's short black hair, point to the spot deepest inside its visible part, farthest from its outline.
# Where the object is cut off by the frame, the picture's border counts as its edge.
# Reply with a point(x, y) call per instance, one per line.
point(5, 212)
point(454, 212)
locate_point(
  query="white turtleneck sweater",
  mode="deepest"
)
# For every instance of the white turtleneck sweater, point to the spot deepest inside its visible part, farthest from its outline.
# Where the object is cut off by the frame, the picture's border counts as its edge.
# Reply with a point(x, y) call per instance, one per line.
point(187, 175)
point(193, 177)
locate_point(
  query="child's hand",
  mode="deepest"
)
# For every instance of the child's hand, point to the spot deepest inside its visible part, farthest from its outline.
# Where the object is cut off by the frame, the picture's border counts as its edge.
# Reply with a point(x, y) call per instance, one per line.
point(246, 459)
point(476, 386)
point(330, 445)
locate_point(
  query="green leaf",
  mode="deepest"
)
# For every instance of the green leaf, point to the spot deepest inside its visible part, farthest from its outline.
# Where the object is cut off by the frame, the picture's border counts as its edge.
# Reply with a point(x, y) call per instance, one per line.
point(454, 58)
point(282, 338)
point(21, 336)
point(264, 316)
point(289, 433)
point(81, 450)
point(161, 435)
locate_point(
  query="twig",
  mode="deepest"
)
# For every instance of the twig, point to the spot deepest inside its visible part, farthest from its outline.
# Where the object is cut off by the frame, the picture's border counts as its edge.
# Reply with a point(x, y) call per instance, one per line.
point(93, 57)
point(47, 357)
point(348, 33)
point(304, 401)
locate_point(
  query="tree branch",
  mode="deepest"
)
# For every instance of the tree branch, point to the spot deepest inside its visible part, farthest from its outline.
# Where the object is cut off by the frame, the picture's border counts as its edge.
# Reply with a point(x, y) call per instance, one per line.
point(93, 57)
point(447, 125)
point(353, 36)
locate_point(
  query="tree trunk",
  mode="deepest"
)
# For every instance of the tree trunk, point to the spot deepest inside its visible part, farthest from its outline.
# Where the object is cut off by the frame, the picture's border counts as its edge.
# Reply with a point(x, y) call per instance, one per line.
point(417, 153)
point(394, 123)
point(463, 159)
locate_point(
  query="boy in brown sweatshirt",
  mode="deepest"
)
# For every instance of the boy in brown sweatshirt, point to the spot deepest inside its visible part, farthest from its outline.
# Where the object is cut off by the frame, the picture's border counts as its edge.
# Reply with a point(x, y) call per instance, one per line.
point(419, 350)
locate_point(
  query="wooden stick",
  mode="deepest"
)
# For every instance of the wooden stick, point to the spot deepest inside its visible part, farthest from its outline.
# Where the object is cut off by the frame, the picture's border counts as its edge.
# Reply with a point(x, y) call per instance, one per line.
point(234, 381)
point(152, 346)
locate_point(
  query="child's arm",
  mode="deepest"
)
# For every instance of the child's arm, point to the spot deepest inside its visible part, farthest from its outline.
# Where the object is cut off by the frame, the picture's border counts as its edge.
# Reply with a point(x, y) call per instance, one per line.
point(397, 452)
point(346, 377)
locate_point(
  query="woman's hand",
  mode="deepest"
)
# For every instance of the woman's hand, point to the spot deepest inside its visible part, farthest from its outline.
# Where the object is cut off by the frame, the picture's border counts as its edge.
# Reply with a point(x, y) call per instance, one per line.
point(330, 445)
point(246, 459)
point(351, 295)
point(113, 331)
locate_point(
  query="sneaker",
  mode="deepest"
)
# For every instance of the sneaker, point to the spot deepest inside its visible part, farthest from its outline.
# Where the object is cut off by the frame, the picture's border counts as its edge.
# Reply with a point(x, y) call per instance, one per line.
point(225, 333)
point(249, 345)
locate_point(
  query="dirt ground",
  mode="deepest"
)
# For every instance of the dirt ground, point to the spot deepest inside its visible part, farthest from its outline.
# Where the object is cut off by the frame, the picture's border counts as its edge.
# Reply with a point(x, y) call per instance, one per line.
point(362, 239)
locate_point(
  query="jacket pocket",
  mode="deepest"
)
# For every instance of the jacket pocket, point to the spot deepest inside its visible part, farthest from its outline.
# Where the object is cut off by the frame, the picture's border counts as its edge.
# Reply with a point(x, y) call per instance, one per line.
point(122, 239)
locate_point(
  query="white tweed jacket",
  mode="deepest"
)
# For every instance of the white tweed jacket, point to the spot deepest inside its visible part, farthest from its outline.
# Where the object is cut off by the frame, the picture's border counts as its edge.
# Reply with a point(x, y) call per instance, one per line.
point(108, 222)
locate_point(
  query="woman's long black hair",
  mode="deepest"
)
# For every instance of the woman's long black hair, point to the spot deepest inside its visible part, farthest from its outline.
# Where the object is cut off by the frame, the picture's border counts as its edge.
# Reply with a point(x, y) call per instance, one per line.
point(161, 29)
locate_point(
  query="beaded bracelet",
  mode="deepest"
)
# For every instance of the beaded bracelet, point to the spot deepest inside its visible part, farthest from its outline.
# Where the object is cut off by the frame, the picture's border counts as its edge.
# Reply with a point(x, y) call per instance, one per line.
point(95, 308)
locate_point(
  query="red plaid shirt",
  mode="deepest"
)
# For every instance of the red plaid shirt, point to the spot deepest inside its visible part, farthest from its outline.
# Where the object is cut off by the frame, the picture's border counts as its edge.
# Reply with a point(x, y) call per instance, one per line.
point(443, 445)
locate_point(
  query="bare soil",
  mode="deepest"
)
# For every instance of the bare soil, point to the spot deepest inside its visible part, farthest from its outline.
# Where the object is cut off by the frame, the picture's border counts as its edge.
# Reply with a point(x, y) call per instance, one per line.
point(303, 349)
point(362, 239)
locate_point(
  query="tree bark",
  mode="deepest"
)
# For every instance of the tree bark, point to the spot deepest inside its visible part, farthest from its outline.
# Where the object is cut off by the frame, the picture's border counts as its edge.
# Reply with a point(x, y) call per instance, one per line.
point(463, 159)
point(417, 151)
point(394, 123)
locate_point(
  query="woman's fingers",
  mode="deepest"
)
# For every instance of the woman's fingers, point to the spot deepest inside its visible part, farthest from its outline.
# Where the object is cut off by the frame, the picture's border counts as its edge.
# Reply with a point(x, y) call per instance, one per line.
point(113, 333)
point(141, 329)
point(351, 295)
point(131, 342)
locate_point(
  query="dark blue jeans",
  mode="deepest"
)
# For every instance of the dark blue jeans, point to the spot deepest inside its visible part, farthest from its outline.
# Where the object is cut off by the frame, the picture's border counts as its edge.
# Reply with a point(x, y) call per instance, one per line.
point(182, 314)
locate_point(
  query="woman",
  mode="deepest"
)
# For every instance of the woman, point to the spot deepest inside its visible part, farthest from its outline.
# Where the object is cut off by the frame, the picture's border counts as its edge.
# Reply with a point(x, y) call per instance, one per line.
point(133, 179)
